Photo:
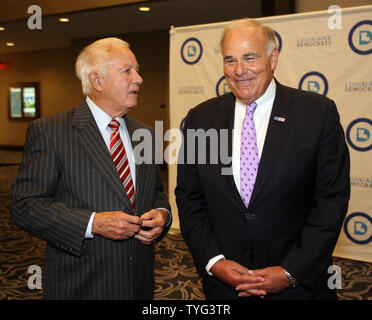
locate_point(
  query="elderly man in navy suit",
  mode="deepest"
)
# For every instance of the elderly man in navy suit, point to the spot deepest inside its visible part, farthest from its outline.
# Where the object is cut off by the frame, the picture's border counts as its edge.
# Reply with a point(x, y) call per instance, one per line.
point(269, 228)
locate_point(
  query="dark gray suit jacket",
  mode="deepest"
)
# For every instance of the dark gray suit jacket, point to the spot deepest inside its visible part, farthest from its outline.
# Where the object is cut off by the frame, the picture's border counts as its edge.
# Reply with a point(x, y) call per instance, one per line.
point(66, 174)
point(298, 203)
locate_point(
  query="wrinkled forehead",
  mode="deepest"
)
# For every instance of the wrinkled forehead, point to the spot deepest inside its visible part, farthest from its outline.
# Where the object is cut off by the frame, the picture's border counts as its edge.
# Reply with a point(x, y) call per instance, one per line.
point(244, 39)
point(121, 56)
point(119, 52)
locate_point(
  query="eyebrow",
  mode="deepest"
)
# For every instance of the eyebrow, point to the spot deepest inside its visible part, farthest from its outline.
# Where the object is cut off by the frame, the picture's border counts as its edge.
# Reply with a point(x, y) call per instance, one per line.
point(228, 58)
point(128, 66)
point(247, 55)
point(125, 66)
point(250, 55)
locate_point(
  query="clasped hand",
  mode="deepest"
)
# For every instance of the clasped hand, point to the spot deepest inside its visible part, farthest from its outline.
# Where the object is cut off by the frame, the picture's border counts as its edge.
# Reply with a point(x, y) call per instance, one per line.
point(249, 283)
point(118, 225)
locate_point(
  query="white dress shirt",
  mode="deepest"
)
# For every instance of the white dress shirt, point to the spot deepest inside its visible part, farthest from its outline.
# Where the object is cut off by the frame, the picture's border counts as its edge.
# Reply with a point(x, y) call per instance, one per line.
point(103, 119)
point(261, 119)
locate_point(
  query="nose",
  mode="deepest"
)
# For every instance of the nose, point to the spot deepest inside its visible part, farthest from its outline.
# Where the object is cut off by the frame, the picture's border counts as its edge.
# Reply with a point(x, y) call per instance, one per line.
point(138, 79)
point(240, 68)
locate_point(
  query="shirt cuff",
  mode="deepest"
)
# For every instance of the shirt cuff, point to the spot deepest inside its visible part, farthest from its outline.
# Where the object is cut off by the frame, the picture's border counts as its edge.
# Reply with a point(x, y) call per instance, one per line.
point(169, 222)
point(88, 232)
point(212, 262)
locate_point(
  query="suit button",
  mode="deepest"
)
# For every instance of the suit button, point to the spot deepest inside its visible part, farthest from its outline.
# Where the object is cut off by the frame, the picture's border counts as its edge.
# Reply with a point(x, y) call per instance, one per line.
point(130, 259)
point(249, 215)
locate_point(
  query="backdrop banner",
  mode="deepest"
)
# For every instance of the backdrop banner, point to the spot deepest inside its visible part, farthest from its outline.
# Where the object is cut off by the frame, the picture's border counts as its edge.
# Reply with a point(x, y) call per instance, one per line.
point(327, 52)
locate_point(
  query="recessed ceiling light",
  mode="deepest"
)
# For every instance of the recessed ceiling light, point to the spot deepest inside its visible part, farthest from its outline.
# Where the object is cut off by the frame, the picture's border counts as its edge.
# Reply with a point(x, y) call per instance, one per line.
point(144, 9)
point(64, 19)
point(10, 44)
point(2, 28)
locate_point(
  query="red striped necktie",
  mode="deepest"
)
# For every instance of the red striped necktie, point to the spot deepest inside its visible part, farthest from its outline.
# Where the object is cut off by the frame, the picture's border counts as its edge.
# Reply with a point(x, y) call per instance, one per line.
point(119, 156)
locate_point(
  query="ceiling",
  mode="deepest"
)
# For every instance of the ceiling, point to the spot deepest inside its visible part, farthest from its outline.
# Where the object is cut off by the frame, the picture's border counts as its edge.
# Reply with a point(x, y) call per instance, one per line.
point(119, 20)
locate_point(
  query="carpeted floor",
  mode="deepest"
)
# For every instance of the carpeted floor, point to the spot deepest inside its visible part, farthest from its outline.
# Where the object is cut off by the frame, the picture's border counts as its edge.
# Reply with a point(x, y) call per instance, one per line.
point(175, 274)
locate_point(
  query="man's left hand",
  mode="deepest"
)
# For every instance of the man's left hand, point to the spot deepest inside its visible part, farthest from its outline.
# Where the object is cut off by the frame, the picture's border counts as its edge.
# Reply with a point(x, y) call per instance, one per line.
point(275, 281)
point(153, 223)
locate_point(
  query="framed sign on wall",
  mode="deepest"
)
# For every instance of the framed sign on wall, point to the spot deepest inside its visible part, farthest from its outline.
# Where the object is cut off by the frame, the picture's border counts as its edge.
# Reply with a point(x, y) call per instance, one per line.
point(24, 101)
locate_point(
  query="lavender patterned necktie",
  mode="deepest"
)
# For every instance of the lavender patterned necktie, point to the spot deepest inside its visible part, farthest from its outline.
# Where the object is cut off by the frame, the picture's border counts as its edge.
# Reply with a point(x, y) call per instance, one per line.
point(248, 155)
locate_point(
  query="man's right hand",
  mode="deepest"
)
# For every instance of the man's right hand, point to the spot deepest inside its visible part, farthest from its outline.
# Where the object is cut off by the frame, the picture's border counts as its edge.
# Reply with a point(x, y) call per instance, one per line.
point(234, 274)
point(116, 225)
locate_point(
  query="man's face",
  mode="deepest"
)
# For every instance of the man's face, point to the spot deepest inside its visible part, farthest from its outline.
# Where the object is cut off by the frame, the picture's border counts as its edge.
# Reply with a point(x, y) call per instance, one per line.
point(121, 83)
point(247, 67)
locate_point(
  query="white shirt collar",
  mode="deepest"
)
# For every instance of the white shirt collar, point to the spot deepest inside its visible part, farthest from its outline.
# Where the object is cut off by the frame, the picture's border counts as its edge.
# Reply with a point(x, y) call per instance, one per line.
point(101, 117)
point(269, 93)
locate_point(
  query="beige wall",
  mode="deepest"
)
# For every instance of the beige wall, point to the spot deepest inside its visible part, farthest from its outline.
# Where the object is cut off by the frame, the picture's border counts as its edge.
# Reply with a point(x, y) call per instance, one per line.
point(60, 89)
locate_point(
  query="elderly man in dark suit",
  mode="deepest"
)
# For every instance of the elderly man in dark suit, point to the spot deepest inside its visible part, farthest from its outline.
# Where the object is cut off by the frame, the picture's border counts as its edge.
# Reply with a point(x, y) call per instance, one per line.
point(81, 188)
point(269, 228)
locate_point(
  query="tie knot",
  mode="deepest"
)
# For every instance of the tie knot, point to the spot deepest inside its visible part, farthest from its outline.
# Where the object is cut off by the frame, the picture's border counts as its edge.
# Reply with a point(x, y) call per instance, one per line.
point(114, 125)
point(251, 107)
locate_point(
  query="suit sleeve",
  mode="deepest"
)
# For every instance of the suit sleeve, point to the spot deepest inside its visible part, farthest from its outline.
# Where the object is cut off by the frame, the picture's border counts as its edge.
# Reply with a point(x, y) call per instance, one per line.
point(306, 258)
point(161, 200)
point(192, 208)
point(33, 201)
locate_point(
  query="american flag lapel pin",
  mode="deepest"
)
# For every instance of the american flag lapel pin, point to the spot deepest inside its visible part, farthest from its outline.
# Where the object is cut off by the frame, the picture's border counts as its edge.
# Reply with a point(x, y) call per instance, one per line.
point(280, 119)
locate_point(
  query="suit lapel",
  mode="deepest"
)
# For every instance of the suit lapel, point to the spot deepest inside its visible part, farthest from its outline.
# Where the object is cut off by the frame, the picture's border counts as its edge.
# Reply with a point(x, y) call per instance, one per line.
point(275, 137)
point(225, 120)
point(92, 142)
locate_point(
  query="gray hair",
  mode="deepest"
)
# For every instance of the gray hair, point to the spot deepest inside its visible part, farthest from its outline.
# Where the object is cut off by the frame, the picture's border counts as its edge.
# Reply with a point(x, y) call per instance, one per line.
point(247, 22)
point(96, 57)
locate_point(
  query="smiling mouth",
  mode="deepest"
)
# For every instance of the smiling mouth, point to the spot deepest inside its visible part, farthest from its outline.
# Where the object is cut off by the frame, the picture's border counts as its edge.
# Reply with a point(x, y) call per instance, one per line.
point(243, 81)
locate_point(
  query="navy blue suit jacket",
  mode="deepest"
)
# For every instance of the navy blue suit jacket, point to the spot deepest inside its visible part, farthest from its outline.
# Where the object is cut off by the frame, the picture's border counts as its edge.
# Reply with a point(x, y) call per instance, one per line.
point(298, 203)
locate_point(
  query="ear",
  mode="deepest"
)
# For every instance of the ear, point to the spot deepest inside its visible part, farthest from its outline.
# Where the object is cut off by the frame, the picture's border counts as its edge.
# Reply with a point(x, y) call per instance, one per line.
point(274, 59)
point(95, 80)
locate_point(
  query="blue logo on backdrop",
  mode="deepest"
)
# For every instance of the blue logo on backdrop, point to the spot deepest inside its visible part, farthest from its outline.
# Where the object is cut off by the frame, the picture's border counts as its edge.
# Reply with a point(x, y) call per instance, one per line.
point(222, 87)
point(357, 227)
point(191, 51)
point(360, 37)
point(279, 39)
point(314, 82)
point(358, 134)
